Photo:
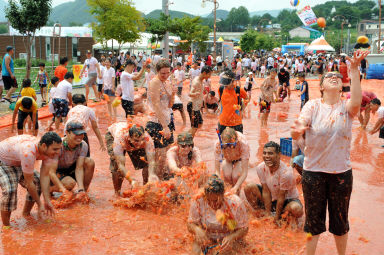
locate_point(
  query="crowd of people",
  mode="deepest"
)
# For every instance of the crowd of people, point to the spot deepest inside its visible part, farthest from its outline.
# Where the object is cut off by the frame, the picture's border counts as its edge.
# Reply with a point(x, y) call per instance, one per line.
point(219, 218)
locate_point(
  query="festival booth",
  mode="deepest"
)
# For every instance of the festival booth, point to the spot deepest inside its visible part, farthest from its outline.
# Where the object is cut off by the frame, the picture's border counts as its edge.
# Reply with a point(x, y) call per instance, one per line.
point(294, 47)
point(320, 44)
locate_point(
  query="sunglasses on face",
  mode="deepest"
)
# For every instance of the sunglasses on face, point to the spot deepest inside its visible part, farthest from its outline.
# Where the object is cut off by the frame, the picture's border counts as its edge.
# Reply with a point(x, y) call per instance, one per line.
point(185, 145)
point(228, 145)
point(330, 75)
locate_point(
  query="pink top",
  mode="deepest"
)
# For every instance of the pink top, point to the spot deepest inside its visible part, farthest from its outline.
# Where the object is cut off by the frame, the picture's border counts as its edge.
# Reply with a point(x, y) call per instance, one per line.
point(173, 155)
point(203, 215)
point(242, 152)
point(21, 150)
point(281, 179)
point(82, 114)
point(366, 99)
point(328, 139)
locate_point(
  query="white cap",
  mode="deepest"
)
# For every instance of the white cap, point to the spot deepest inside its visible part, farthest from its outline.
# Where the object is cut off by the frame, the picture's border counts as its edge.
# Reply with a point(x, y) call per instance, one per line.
point(250, 73)
point(109, 53)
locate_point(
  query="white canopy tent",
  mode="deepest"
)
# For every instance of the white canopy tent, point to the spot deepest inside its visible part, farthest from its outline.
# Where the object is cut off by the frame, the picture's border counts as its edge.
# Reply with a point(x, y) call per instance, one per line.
point(140, 44)
point(320, 44)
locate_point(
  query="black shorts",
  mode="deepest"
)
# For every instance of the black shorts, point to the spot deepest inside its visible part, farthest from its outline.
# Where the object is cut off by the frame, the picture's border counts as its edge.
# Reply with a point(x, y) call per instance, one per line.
point(381, 134)
point(265, 108)
point(178, 107)
point(303, 102)
point(194, 116)
point(128, 107)
point(346, 89)
point(69, 171)
point(320, 189)
point(238, 128)
point(21, 116)
point(137, 157)
point(99, 87)
point(212, 106)
point(159, 140)
point(220, 64)
point(274, 203)
point(237, 77)
point(85, 139)
point(42, 85)
point(179, 90)
point(9, 82)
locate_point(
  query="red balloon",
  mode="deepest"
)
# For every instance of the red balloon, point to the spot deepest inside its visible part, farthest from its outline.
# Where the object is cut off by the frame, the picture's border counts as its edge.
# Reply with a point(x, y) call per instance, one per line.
point(321, 22)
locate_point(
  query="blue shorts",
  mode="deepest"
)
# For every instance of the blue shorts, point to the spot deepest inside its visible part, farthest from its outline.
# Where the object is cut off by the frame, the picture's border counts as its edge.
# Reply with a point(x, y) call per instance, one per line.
point(237, 78)
point(109, 92)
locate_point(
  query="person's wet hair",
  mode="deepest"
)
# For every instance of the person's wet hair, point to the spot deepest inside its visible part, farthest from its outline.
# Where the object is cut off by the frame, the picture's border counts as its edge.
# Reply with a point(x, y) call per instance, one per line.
point(229, 135)
point(206, 69)
point(78, 99)
point(212, 93)
point(163, 63)
point(376, 101)
point(26, 102)
point(49, 138)
point(214, 185)
point(63, 60)
point(42, 64)
point(273, 70)
point(272, 144)
point(178, 64)
point(54, 80)
point(282, 70)
point(69, 75)
point(136, 131)
point(302, 75)
point(26, 83)
point(229, 74)
point(130, 62)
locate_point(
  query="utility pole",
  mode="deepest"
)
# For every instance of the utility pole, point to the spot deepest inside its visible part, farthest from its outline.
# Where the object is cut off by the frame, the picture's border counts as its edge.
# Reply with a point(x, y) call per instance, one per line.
point(166, 36)
point(379, 42)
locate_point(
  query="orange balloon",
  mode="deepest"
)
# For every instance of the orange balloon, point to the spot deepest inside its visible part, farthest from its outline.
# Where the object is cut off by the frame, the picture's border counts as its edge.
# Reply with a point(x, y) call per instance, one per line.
point(321, 22)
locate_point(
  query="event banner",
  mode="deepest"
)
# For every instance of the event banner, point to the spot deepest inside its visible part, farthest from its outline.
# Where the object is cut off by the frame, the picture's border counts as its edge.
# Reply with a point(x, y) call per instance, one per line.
point(76, 73)
point(307, 16)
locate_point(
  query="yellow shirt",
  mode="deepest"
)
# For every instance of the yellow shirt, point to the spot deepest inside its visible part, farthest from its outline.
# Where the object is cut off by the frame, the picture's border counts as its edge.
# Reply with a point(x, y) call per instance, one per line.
point(28, 92)
point(33, 108)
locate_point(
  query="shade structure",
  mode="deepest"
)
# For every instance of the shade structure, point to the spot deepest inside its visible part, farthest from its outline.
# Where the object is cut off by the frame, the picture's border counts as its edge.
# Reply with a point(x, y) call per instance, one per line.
point(320, 44)
point(220, 39)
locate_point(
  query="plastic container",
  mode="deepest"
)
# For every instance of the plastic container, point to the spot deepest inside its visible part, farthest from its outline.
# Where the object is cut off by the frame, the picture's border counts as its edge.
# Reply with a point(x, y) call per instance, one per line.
point(375, 71)
point(286, 147)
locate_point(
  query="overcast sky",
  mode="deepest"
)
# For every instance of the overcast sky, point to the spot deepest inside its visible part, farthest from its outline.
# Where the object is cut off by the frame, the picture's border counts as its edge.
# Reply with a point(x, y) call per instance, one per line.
point(194, 6)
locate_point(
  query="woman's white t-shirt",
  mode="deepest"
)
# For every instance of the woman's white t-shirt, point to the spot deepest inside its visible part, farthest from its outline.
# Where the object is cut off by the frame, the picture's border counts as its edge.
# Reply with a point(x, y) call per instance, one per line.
point(108, 76)
point(328, 139)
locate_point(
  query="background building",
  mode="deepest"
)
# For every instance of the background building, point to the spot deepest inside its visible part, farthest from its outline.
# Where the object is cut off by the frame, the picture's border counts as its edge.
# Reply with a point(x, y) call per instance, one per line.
point(304, 32)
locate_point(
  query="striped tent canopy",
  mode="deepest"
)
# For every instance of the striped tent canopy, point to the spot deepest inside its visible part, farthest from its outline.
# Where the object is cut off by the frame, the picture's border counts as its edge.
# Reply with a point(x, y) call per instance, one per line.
point(320, 44)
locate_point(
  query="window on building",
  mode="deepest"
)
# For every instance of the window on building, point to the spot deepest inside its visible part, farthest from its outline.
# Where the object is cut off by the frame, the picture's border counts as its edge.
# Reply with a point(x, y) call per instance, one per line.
point(361, 27)
point(33, 49)
point(48, 47)
point(74, 47)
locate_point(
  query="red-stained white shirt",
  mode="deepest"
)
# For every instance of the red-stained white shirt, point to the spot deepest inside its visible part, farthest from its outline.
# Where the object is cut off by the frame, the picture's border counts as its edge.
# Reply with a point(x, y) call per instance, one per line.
point(202, 214)
point(21, 150)
point(281, 179)
point(174, 156)
point(328, 139)
point(120, 133)
point(82, 114)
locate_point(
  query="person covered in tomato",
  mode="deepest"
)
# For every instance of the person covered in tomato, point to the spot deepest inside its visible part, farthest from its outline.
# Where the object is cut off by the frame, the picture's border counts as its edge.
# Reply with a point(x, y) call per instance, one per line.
point(73, 167)
point(184, 153)
point(365, 107)
point(122, 138)
point(217, 222)
point(18, 155)
point(232, 157)
point(277, 192)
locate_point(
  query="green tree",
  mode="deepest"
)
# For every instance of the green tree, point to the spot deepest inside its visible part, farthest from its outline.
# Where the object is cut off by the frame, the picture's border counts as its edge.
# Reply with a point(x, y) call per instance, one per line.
point(190, 29)
point(28, 16)
point(248, 40)
point(158, 27)
point(75, 24)
point(116, 19)
point(238, 18)
point(3, 29)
